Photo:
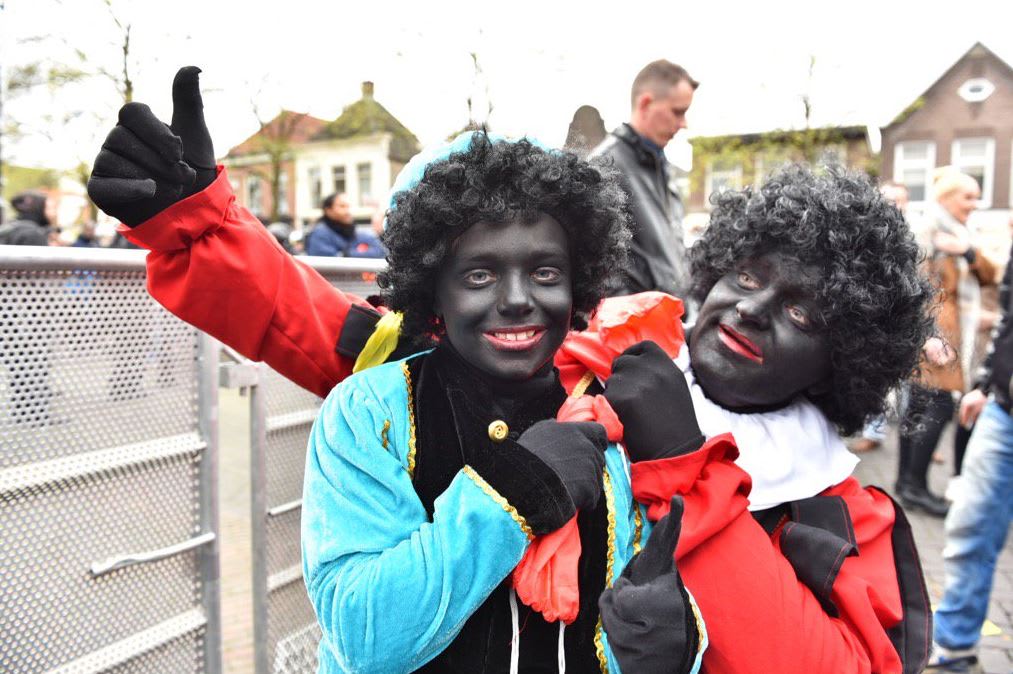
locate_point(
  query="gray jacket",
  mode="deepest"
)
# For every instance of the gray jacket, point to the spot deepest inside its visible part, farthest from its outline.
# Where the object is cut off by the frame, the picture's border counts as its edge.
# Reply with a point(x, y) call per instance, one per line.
point(24, 233)
point(657, 255)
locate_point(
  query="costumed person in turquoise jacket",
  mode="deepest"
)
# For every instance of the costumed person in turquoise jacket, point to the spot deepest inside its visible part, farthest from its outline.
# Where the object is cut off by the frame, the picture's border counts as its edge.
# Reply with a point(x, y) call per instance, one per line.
point(417, 507)
point(429, 479)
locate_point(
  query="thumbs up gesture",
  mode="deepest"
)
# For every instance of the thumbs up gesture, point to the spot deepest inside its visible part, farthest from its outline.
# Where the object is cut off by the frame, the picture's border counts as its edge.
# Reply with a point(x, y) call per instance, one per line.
point(145, 166)
point(647, 614)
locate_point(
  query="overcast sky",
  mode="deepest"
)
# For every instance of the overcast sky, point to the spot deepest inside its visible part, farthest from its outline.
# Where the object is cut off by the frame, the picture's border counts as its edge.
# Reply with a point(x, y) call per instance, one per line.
point(540, 60)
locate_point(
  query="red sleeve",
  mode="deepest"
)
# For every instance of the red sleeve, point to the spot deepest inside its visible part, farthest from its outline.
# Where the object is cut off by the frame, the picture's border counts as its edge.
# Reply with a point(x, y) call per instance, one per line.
point(215, 266)
point(883, 584)
point(715, 491)
point(760, 618)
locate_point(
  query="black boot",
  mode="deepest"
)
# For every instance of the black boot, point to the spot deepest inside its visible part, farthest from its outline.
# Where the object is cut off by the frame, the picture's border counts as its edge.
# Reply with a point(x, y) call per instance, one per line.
point(921, 498)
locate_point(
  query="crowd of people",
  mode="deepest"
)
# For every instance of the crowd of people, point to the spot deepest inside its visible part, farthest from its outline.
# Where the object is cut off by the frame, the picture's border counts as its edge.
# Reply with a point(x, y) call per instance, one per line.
point(561, 439)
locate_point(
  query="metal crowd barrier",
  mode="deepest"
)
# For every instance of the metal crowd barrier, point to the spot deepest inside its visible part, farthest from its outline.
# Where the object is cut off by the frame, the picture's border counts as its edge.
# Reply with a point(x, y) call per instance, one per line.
point(108, 489)
point(286, 634)
point(109, 559)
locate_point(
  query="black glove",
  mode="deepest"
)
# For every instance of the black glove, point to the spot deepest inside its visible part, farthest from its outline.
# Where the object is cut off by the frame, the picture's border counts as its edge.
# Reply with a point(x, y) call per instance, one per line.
point(647, 613)
point(652, 399)
point(145, 166)
point(575, 451)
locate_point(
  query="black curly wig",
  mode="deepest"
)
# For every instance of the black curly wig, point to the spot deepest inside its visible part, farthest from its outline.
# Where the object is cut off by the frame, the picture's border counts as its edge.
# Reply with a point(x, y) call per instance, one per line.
point(875, 301)
point(502, 181)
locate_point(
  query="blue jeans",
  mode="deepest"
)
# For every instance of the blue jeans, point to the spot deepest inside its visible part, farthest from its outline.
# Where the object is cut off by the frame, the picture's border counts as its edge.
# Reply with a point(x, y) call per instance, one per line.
point(875, 429)
point(976, 529)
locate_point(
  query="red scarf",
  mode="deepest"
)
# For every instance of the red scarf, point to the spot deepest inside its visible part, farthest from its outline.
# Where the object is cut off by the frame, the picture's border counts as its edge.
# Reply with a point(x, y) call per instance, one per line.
point(546, 578)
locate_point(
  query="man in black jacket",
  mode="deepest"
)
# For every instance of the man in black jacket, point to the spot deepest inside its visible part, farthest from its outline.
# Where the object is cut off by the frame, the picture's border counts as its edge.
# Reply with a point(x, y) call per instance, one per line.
point(978, 521)
point(31, 228)
point(662, 93)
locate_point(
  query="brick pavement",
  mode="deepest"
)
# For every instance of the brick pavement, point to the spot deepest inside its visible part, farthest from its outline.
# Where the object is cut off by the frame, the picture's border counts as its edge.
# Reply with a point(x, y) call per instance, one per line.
point(879, 468)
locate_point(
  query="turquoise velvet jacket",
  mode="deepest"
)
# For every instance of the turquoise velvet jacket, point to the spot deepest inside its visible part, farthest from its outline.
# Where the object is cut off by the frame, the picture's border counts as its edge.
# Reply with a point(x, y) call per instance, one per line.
point(392, 589)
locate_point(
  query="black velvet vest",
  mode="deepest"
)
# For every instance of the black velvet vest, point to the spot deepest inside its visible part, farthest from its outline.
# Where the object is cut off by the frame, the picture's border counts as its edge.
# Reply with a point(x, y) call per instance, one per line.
point(453, 411)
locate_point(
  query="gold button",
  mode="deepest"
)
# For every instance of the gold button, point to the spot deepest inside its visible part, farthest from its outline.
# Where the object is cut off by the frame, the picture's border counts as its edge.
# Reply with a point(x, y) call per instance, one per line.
point(498, 431)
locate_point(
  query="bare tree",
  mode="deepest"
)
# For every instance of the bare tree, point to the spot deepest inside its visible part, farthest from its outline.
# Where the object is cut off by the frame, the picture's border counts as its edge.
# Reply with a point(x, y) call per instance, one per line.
point(121, 80)
point(479, 83)
point(275, 140)
point(66, 64)
point(807, 94)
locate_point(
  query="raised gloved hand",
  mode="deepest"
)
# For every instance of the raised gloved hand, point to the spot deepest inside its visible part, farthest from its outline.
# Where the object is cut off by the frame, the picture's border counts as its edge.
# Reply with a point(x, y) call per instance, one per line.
point(145, 166)
point(647, 614)
point(652, 399)
point(575, 451)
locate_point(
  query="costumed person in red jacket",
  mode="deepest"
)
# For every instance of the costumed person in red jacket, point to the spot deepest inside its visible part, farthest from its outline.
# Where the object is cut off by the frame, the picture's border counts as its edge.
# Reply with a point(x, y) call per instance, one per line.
point(812, 309)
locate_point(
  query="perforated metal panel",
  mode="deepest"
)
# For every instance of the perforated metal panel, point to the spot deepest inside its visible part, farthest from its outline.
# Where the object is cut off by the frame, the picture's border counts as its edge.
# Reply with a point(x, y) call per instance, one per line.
point(106, 403)
point(282, 414)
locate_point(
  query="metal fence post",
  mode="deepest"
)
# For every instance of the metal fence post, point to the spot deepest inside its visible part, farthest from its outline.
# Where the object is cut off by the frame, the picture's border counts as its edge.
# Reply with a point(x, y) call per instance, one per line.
point(286, 633)
point(258, 523)
point(208, 349)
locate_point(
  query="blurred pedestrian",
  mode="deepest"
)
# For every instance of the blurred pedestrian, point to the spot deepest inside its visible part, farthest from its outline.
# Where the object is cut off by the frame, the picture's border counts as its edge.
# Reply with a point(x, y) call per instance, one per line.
point(661, 95)
point(377, 220)
point(297, 242)
point(978, 522)
point(874, 431)
point(959, 271)
point(281, 231)
point(31, 227)
point(86, 238)
point(335, 233)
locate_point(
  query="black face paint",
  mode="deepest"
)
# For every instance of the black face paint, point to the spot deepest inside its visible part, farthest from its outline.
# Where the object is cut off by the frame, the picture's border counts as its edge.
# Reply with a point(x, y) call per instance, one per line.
point(758, 341)
point(505, 295)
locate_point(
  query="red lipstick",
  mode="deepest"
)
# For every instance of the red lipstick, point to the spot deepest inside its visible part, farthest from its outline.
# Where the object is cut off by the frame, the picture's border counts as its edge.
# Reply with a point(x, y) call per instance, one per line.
point(515, 338)
point(739, 343)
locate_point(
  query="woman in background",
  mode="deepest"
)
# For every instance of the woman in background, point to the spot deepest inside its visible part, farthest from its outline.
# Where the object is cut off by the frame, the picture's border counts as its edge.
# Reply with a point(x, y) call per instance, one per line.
point(959, 270)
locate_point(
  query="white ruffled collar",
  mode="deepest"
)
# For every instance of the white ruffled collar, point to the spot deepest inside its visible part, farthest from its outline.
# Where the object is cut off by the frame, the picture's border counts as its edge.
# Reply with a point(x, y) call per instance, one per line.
point(790, 453)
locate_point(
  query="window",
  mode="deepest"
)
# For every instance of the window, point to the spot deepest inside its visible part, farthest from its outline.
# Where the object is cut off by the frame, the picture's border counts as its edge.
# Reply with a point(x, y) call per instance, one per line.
point(722, 176)
point(338, 174)
point(255, 194)
point(313, 178)
point(283, 208)
point(976, 158)
point(913, 162)
point(976, 90)
point(365, 175)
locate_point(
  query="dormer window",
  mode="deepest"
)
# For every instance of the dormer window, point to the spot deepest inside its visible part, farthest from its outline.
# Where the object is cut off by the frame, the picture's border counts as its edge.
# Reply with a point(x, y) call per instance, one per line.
point(976, 90)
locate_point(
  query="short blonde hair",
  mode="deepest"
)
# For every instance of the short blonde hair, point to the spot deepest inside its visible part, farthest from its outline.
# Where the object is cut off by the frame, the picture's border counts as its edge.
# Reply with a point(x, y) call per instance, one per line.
point(947, 179)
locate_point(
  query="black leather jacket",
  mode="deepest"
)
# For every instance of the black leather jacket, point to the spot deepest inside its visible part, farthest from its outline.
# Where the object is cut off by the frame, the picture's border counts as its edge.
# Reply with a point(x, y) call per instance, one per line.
point(996, 373)
point(658, 255)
